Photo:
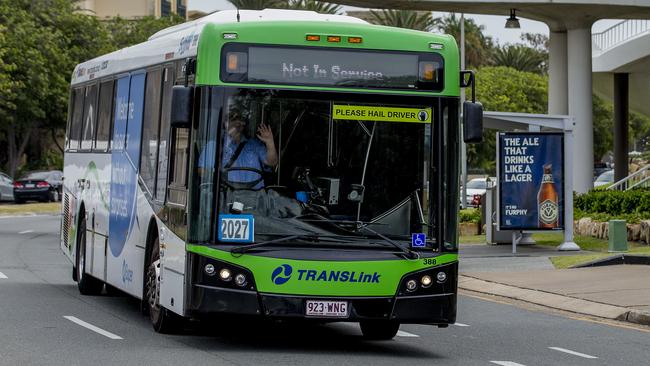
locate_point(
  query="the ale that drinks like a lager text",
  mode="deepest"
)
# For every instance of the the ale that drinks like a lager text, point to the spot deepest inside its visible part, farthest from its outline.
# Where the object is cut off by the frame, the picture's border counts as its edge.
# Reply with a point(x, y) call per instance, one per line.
point(547, 201)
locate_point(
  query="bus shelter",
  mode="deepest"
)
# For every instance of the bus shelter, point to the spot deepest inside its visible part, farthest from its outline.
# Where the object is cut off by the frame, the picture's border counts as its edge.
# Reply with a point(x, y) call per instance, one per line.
point(523, 122)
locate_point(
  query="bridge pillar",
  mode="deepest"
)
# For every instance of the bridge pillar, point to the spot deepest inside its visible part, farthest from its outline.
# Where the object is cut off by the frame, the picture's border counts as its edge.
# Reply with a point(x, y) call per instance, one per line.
point(621, 127)
point(557, 74)
point(580, 106)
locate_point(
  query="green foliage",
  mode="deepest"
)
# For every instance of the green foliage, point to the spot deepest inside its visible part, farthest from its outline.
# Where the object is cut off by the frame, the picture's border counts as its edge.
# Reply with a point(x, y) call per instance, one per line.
point(472, 215)
point(258, 4)
point(603, 117)
point(125, 32)
point(504, 89)
point(521, 57)
point(478, 46)
point(411, 19)
point(632, 205)
point(317, 6)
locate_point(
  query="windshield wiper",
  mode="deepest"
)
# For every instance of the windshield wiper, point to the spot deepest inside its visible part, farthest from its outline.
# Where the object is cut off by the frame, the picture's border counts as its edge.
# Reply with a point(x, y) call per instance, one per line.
point(307, 237)
point(408, 253)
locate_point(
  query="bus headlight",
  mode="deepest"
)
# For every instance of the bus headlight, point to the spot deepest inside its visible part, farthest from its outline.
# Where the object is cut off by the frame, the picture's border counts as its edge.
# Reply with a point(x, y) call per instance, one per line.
point(426, 281)
point(441, 277)
point(225, 274)
point(411, 285)
point(240, 280)
point(209, 269)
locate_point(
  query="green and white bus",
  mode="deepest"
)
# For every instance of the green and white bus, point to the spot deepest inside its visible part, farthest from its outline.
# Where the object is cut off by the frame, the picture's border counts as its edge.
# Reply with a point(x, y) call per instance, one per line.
point(335, 200)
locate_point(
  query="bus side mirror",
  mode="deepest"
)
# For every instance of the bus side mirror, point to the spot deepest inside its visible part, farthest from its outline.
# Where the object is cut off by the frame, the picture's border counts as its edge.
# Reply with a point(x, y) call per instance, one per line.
point(472, 111)
point(182, 102)
point(472, 122)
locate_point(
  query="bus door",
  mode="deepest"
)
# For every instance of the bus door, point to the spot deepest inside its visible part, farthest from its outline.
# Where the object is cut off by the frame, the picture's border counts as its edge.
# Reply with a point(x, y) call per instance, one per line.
point(125, 256)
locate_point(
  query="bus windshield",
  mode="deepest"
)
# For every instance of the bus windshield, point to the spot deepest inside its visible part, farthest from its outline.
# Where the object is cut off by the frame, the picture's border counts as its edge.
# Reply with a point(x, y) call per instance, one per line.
point(301, 166)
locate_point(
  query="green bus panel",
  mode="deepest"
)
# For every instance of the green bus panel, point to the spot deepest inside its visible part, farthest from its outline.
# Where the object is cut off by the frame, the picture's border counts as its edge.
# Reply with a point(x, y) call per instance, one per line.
point(294, 33)
point(384, 276)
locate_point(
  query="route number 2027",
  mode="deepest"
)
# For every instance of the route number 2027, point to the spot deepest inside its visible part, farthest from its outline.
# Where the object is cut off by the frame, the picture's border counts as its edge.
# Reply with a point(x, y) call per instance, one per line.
point(236, 229)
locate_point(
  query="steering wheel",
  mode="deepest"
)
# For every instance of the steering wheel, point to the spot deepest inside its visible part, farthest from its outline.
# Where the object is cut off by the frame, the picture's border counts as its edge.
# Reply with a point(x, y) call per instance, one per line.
point(250, 186)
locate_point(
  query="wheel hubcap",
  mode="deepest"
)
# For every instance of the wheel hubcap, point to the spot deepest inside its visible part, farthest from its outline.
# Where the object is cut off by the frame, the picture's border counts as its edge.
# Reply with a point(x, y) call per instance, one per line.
point(153, 287)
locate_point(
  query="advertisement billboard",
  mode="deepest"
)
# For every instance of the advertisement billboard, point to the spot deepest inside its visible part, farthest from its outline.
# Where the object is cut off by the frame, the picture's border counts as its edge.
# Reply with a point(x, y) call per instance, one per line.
point(530, 167)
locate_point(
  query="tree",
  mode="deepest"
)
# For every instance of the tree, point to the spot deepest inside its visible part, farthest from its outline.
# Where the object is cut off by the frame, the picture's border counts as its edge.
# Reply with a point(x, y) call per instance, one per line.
point(125, 32)
point(478, 47)
point(317, 6)
point(520, 57)
point(42, 43)
point(504, 89)
point(258, 4)
point(411, 19)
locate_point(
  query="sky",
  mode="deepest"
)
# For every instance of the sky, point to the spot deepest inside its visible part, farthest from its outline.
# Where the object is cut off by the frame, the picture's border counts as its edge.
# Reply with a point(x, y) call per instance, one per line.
point(494, 24)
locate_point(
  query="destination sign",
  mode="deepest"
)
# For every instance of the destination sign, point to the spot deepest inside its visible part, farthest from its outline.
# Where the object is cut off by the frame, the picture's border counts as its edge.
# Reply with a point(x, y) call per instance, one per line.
point(329, 67)
point(386, 114)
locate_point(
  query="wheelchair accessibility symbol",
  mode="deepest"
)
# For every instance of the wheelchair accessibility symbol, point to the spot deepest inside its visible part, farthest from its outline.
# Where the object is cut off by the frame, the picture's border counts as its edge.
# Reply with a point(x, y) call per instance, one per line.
point(418, 240)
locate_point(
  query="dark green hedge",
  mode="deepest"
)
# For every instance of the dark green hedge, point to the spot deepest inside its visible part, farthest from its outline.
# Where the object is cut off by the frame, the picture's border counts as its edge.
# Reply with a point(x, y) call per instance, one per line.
point(636, 201)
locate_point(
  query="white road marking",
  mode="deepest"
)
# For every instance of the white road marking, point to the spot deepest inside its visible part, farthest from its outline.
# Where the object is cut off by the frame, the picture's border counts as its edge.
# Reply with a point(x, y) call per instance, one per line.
point(26, 232)
point(2, 275)
point(506, 363)
point(461, 324)
point(92, 327)
point(401, 333)
point(573, 352)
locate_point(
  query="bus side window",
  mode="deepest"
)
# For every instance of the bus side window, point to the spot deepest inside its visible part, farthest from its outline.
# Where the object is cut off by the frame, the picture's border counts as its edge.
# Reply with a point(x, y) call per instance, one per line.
point(150, 130)
point(163, 144)
point(77, 116)
point(89, 117)
point(104, 119)
point(179, 161)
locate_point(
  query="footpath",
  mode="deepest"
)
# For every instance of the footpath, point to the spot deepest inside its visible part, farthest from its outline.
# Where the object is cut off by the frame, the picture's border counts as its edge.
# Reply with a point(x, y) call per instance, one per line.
point(616, 292)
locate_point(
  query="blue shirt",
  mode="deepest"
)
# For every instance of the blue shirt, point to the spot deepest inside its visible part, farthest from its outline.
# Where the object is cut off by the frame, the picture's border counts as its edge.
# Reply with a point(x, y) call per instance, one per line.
point(252, 156)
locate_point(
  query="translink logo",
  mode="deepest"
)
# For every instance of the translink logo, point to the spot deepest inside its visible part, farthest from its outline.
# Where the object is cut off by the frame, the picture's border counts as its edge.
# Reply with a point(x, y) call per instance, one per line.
point(282, 274)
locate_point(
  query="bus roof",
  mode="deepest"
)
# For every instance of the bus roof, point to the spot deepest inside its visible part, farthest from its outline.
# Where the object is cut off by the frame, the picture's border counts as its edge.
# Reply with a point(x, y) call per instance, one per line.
point(180, 41)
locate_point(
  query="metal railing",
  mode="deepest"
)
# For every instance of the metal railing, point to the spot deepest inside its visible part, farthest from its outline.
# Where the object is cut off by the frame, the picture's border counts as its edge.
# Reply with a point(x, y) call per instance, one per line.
point(640, 178)
point(620, 33)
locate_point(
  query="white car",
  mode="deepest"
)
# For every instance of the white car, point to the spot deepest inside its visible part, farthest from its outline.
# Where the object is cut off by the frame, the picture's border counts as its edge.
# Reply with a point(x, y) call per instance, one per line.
point(474, 187)
point(604, 179)
point(6, 188)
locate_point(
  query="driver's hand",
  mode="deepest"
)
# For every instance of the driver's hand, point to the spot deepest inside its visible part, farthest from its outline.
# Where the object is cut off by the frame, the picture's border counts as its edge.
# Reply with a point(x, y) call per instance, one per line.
point(265, 134)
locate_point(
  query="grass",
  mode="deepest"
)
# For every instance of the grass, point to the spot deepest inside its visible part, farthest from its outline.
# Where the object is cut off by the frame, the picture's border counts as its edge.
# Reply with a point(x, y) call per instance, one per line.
point(573, 260)
point(30, 208)
point(598, 247)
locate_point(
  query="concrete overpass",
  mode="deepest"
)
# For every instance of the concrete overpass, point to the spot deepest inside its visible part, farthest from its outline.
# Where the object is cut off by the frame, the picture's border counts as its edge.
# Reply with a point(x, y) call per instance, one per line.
point(570, 58)
point(621, 63)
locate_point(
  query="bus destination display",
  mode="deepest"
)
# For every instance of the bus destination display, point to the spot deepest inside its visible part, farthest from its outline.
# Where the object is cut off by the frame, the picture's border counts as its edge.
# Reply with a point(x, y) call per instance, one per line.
point(327, 67)
point(531, 177)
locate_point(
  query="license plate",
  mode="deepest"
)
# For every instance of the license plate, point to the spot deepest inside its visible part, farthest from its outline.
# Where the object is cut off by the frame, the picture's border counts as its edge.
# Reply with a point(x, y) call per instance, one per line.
point(29, 185)
point(334, 309)
point(236, 228)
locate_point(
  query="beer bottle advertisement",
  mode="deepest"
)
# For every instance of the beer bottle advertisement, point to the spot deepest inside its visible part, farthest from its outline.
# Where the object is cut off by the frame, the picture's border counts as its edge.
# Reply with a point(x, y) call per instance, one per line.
point(531, 181)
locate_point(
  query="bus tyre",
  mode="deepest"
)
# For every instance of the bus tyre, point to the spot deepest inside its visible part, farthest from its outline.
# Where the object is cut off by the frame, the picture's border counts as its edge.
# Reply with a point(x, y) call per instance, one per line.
point(381, 330)
point(87, 285)
point(163, 320)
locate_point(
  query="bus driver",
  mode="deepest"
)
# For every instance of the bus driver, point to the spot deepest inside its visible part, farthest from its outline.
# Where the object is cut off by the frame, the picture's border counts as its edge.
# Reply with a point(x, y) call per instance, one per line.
point(240, 152)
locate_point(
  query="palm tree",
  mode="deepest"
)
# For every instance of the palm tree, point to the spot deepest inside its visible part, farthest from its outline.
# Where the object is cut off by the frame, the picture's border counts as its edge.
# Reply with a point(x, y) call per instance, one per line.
point(317, 6)
point(478, 47)
point(520, 57)
point(411, 19)
point(258, 4)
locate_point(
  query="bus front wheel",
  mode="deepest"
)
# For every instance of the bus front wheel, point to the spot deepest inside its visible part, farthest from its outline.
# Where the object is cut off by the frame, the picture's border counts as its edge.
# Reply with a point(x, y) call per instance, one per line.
point(163, 320)
point(379, 330)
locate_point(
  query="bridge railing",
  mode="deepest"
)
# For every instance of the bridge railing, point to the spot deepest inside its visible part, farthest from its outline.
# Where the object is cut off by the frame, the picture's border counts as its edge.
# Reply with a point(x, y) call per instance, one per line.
point(619, 33)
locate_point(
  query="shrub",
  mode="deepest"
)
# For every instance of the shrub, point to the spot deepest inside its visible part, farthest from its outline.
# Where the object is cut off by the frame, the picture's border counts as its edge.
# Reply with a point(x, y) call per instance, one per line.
point(633, 205)
point(472, 215)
